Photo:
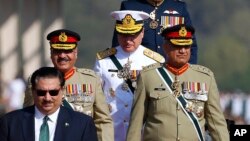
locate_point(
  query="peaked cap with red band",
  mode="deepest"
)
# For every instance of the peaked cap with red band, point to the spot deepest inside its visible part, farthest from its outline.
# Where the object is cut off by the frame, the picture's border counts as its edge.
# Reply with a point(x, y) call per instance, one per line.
point(180, 35)
point(63, 39)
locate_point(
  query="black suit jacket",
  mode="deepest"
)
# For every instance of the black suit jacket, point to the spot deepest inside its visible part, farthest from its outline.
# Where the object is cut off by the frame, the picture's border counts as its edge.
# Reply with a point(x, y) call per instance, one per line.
point(71, 126)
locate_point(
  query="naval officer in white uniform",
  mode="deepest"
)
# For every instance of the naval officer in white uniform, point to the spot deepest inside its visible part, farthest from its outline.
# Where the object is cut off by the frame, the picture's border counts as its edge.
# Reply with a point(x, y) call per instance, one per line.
point(119, 67)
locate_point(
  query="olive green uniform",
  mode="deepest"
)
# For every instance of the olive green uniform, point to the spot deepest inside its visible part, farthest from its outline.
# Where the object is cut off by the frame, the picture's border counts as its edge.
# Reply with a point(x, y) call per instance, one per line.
point(156, 108)
point(90, 100)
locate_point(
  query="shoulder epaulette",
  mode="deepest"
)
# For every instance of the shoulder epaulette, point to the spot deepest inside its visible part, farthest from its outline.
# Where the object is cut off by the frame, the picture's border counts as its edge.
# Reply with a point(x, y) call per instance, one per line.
point(151, 66)
point(86, 71)
point(202, 69)
point(153, 55)
point(106, 53)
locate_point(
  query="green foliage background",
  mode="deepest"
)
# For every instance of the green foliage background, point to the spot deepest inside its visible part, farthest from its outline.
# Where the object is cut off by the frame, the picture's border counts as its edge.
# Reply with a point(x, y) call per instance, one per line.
point(222, 32)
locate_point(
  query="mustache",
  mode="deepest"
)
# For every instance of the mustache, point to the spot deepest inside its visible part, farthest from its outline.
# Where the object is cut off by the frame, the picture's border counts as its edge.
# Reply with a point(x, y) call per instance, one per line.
point(62, 59)
point(47, 101)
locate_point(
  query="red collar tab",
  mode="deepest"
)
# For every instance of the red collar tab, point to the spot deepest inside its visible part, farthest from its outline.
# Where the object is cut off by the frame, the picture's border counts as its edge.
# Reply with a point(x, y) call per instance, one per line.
point(177, 71)
point(68, 74)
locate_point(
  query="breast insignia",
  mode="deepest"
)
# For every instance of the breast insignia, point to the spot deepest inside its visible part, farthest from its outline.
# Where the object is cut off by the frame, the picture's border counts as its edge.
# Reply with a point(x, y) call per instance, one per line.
point(106, 53)
point(153, 55)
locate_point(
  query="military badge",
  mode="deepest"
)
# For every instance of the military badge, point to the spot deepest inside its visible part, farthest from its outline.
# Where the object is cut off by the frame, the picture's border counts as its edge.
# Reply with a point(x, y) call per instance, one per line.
point(195, 91)
point(125, 86)
point(175, 86)
point(189, 106)
point(153, 24)
point(152, 14)
point(125, 71)
point(63, 37)
point(199, 111)
point(169, 21)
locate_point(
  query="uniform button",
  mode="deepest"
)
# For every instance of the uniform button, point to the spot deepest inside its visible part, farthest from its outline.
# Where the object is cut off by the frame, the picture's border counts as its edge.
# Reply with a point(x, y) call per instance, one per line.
point(126, 105)
point(178, 139)
point(159, 46)
point(124, 120)
point(178, 108)
point(157, 20)
point(158, 33)
point(158, 97)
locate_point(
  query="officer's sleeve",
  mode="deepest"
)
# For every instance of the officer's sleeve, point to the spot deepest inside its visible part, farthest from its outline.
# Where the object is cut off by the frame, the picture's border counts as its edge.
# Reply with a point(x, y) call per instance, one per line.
point(215, 119)
point(102, 118)
point(138, 112)
point(194, 47)
point(28, 97)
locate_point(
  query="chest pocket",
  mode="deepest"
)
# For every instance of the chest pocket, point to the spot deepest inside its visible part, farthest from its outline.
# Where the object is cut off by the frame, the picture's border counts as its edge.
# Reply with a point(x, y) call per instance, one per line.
point(159, 101)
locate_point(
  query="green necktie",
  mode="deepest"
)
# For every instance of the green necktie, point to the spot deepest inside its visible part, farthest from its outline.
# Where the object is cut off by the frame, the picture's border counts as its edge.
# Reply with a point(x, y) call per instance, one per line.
point(44, 130)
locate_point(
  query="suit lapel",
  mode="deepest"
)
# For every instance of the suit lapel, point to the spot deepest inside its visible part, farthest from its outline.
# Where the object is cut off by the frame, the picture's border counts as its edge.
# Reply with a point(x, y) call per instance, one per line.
point(62, 126)
point(28, 124)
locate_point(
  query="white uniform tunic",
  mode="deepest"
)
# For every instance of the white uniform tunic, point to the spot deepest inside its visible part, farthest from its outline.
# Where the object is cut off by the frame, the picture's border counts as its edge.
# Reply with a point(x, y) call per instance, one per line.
point(120, 100)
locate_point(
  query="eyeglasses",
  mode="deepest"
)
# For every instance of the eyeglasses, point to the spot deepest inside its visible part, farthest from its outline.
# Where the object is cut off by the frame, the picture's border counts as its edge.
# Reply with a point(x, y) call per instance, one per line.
point(51, 92)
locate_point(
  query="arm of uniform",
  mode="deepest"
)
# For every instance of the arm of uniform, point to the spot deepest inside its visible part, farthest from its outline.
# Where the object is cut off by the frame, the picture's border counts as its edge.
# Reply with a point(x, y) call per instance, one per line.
point(28, 97)
point(194, 47)
point(137, 112)
point(102, 118)
point(214, 116)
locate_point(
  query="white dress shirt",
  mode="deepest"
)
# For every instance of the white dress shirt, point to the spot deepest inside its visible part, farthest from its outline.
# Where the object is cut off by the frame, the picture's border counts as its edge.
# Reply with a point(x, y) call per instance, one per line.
point(51, 122)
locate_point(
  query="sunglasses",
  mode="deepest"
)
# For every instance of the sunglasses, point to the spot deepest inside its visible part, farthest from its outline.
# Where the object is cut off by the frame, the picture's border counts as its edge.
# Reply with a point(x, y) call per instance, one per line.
point(51, 92)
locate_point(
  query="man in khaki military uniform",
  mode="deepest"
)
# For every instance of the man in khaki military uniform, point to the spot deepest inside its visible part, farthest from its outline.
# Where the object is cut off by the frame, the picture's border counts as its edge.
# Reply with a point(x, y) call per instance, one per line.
point(83, 91)
point(173, 102)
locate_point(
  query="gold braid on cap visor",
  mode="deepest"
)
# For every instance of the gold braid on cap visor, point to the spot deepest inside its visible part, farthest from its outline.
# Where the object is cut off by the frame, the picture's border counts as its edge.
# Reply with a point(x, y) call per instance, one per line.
point(63, 46)
point(181, 42)
point(120, 28)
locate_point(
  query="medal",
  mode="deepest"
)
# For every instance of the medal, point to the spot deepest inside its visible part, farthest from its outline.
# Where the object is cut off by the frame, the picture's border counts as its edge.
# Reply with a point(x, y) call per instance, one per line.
point(176, 86)
point(125, 71)
point(125, 86)
point(153, 24)
point(152, 15)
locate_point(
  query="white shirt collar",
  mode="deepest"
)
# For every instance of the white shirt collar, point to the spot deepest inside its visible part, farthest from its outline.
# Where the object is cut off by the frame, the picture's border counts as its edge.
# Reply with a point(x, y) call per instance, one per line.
point(52, 117)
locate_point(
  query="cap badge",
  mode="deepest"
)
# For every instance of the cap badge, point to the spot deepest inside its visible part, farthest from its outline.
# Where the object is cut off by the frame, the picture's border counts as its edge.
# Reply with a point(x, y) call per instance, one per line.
point(63, 37)
point(128, 21)
point(183, 32)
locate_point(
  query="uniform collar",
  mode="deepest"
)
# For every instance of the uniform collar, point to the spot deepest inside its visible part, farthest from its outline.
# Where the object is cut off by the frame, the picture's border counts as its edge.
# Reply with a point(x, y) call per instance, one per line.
point(177, 71)
point(69, 73)
point(156, 4)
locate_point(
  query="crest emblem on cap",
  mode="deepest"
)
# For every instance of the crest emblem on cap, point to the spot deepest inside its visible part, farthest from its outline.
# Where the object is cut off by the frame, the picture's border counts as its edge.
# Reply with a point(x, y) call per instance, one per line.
point(128, 21)
point(183, 32)
point(63, 37)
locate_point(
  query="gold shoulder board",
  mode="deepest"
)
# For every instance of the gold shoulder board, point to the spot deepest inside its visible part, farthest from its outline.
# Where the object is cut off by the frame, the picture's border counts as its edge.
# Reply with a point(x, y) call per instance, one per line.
point(202, 69)
point(86, 71)
point(153, 55)
point(106, 53)
point(151, 66)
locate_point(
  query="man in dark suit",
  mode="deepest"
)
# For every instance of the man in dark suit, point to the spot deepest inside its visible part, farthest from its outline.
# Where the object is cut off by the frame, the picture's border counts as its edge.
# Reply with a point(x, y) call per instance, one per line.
point(163, 14)
point(47, 118)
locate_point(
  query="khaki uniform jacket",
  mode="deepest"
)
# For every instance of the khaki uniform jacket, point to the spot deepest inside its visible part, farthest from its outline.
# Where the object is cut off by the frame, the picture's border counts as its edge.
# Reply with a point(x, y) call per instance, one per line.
point(156, 109)
point(84, 93)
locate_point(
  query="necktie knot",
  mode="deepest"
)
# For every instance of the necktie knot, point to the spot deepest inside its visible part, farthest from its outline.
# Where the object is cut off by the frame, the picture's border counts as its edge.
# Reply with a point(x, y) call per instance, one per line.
point(45, 119)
